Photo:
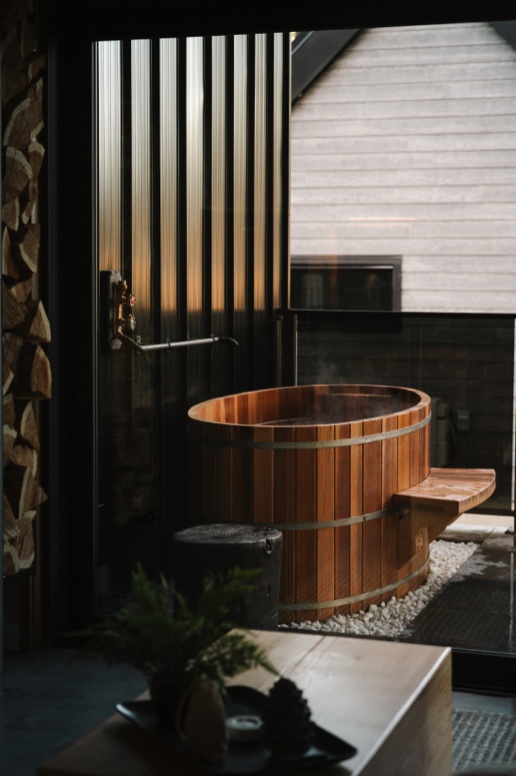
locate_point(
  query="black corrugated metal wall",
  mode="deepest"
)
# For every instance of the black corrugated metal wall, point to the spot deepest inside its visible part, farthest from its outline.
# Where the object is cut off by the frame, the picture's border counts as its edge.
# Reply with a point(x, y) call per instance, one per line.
point(192, 153)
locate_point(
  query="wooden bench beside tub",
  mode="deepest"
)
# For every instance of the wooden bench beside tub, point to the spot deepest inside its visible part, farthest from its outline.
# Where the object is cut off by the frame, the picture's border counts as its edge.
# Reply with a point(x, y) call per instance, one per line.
point(435, 502)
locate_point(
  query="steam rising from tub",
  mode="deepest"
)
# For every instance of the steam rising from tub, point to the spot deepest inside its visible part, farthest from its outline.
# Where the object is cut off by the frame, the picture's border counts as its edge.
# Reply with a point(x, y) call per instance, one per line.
point(337, 406)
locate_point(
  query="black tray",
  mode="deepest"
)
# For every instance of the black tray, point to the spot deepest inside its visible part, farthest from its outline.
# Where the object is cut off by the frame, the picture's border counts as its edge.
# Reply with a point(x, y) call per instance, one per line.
point(244, 758)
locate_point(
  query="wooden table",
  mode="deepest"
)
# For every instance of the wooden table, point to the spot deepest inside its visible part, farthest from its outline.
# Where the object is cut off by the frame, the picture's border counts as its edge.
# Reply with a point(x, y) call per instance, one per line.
point(390, 700)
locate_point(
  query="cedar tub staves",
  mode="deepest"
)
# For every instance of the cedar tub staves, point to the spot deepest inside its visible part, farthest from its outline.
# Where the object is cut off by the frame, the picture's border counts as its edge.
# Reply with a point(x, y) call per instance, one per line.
point(325, 464)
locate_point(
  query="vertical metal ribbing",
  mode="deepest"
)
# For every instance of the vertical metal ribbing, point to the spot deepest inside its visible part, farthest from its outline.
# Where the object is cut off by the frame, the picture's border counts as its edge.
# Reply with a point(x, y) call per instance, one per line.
point(126, 171)
point(288, 336)
point(283, 152)
point(249, 151)
point(109, 155)
point(240, 220)
point(216, 77)
point(168, 195)
point(172, 274)
point(140, 190)
point(276, 255)
point(155, 188)
point(181, 188)
point(229, 141)
point(152, 240)
point(201, 227)
point(260, 216)
point(207, 187)
point(195, 168)
point(163, 529)
point(270, 178)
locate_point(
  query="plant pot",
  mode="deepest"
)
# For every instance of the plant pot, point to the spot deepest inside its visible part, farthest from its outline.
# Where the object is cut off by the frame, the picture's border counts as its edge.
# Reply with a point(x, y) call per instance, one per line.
point(166, 692)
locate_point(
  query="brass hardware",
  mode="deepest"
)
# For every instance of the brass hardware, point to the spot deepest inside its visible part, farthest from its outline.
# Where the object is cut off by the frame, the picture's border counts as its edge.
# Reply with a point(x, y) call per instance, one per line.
point(124, 323)
point(122, 299)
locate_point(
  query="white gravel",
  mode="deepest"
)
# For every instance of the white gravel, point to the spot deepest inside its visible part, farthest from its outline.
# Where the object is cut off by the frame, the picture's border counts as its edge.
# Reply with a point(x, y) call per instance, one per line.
point(390, 618)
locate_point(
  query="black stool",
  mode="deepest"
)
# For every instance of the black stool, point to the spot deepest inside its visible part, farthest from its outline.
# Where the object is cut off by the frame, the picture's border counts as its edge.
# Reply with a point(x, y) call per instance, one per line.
point(218, 547)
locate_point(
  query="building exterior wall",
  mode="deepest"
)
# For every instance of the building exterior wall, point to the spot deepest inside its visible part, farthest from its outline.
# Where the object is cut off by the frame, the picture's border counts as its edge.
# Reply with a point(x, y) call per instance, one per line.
point(406, 146)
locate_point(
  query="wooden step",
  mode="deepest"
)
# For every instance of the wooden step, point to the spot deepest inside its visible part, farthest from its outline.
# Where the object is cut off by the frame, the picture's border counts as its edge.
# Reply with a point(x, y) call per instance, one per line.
point(436, 502)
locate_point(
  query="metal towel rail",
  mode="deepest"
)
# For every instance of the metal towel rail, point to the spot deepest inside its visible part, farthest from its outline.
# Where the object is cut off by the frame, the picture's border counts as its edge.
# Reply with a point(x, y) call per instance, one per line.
point(168, 345)
point(122, 304)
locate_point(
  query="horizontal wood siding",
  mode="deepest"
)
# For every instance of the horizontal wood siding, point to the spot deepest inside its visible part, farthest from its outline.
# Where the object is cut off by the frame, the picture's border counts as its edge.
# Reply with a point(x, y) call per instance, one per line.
point(407, 146)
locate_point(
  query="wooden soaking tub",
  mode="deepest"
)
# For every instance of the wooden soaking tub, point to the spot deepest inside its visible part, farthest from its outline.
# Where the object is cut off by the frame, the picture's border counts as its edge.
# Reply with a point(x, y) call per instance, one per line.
point(322, 464)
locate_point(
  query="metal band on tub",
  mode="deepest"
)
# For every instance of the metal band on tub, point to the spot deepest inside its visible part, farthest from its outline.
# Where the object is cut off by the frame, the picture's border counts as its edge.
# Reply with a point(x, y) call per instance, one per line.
point(304, 607)
point(301, 445)
point(314, 526)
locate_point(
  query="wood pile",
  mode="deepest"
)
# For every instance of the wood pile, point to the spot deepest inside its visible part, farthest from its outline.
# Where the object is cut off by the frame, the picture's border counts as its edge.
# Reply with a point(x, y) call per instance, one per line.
point(26, 373)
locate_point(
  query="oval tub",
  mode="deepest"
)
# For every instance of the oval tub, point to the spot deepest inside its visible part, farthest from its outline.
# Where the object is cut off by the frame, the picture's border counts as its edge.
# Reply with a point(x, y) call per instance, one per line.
point(320, 463)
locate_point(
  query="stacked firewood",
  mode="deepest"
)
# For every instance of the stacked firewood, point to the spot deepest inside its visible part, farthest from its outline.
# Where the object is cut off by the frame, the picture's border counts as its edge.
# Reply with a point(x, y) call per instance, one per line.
point(26, 373)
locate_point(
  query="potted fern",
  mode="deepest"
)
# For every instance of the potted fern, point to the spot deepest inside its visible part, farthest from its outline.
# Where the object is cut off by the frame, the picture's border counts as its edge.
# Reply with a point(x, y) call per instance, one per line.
point(173, 642)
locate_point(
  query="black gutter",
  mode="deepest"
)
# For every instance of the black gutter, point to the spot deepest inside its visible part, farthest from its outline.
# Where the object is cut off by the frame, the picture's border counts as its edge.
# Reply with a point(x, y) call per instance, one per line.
point(507, 30)
point(312, 52)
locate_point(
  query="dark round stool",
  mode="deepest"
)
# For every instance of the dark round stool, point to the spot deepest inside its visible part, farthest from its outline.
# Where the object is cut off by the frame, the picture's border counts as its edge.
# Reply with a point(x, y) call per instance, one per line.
point(218, 547)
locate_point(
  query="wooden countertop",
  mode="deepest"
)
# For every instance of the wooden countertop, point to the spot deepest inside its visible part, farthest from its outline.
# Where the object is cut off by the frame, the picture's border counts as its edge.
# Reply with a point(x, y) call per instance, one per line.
point(392, 701)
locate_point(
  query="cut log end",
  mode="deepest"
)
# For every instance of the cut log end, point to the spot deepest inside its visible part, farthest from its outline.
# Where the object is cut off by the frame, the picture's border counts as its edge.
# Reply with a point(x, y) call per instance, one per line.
point(9, 438)
point(11, 561)
point(22, 489)
point(36, 326)
point(26, 424)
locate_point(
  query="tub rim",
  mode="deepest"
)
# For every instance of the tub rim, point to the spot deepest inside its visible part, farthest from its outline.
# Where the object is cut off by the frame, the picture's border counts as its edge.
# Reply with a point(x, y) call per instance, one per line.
point(422, 400)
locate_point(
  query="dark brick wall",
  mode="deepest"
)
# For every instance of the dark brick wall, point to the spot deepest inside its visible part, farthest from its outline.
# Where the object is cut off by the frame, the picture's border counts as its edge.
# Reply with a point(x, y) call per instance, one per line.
point(467, 361)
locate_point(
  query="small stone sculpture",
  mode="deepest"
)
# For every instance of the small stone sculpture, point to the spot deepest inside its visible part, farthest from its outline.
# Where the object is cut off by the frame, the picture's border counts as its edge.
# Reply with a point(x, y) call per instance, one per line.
point(286, 719)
